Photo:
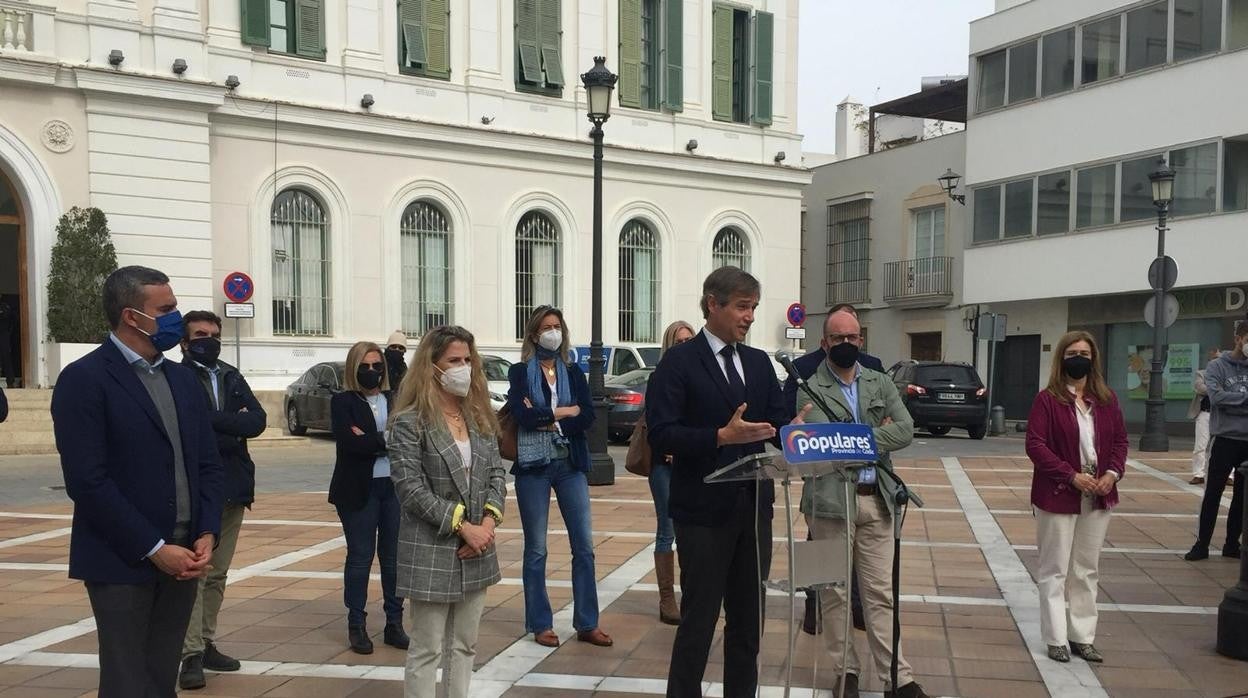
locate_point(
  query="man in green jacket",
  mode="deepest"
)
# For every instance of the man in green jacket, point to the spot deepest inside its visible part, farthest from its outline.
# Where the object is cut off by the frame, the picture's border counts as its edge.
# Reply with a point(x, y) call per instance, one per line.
point(855, 394)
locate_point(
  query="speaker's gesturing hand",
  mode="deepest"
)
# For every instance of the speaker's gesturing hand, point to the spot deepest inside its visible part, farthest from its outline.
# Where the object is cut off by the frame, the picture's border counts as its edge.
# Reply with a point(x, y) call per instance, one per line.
point(739, 431)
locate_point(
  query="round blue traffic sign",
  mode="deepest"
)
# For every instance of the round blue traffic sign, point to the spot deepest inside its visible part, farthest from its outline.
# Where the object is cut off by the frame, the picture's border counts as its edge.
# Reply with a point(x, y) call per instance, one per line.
point(238, 287)
point(796, 314)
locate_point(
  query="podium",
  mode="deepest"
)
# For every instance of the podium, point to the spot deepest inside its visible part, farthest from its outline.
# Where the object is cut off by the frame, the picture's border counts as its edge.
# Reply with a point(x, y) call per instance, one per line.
point(811, 564)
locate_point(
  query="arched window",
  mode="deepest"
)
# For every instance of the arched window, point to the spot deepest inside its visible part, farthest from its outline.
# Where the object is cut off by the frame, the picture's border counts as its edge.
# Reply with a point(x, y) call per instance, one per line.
point(537, 266)
point(425, 256)
point(639, 283)
point(302, 302)
point(730, 249)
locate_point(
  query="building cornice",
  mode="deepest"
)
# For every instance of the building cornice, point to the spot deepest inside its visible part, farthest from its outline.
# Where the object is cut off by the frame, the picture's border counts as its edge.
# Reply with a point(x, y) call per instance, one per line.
point(131, 85)
point(28, 67)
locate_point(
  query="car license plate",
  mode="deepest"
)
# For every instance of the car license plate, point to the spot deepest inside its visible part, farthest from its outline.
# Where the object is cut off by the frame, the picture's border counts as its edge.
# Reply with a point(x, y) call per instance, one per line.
point(951, 397)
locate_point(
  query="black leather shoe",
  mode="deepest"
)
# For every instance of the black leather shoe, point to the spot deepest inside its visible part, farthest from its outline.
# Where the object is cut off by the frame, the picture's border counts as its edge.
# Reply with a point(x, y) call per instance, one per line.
point(1198, 552)
point(395, 637)
point(1230, 551)
point(215, 661)
point(192, 675)
point(851, 686)
point(357, 635)
point(810, 618)
point(910, 690)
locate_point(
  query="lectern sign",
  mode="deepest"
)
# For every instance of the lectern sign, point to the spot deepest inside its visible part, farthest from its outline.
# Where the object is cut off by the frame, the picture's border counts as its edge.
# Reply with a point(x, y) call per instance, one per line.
point(805, 443)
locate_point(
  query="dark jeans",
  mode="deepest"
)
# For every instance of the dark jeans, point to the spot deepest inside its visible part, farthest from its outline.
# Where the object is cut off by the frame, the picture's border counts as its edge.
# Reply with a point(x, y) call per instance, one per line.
point(140, 628)
point(1224, 456)
point(720, 567)
point(372, 529)
point(533, 486)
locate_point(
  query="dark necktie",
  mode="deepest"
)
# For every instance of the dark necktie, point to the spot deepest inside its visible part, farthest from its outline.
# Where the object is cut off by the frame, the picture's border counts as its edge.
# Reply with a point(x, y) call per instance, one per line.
point(736, 386)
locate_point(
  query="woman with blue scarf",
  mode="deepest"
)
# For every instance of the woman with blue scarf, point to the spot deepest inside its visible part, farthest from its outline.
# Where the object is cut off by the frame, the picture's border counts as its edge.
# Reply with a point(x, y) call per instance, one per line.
point(551, 403)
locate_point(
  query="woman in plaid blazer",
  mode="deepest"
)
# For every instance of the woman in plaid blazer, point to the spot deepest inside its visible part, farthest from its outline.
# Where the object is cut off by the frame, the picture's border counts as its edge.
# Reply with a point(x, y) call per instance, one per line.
point(451, 486)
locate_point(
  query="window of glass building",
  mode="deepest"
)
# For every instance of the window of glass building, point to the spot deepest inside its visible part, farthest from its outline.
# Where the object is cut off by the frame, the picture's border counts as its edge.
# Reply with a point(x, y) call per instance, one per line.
point(1195, 179)
point(1022, 72)
point(1197, 28)
point(987, 213)
point(1053, 203)
point(1236, 24)
point(991, 81)
point(1097, 187)
point(1147, 36)
point(1235, 174)
point(1018, 199)
point(1101, 45)
point(1058, 62)
point(1137, 190)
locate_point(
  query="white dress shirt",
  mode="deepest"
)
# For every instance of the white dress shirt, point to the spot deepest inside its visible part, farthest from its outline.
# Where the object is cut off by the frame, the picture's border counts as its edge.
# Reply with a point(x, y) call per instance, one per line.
point(717, 345)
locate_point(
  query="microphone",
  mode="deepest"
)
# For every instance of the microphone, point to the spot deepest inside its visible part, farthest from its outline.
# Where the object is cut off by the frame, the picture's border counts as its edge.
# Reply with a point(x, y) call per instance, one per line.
point(785, 359)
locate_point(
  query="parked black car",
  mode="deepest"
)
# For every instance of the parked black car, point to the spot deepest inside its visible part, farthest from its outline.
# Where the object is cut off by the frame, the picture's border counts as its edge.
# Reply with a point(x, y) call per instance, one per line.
point(943, 395)
point(307, 399)
point(627, 393)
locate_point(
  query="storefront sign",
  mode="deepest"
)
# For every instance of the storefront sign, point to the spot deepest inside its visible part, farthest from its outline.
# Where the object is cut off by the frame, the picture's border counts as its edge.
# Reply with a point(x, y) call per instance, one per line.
point(1193, 303)
point(1177, 376)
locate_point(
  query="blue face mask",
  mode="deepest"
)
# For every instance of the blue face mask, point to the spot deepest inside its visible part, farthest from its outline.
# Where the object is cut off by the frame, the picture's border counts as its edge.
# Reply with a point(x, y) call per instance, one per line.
point(169, 329)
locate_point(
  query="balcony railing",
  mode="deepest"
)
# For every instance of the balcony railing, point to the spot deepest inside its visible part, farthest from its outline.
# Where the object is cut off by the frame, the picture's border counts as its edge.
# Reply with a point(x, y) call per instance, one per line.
point(926, 282)
point(26, 27)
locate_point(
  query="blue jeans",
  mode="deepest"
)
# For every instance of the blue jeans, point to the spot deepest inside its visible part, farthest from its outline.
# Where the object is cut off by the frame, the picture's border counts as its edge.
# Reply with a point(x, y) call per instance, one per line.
point(533, 498)
point(374, 528)
point(660, 490)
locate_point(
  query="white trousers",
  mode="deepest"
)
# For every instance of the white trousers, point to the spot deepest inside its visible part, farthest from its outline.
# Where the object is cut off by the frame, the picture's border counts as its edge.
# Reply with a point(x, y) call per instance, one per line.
point(1200, 447)
point(432, 626)
point(1069, 543)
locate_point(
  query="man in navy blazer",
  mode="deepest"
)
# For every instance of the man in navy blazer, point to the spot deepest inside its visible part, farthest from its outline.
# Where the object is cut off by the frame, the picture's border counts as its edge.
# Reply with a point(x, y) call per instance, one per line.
point(140, 463)
point(711, 401)
point(806, 366)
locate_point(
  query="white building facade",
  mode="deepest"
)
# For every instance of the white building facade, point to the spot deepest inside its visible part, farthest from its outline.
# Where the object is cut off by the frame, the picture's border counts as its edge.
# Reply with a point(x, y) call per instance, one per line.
point(1072, 103)
point(381, 165)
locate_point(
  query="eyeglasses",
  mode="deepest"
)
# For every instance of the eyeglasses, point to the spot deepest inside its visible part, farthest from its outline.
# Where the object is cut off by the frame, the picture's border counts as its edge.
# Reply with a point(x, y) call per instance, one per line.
point(377, 366)
point(838, 338)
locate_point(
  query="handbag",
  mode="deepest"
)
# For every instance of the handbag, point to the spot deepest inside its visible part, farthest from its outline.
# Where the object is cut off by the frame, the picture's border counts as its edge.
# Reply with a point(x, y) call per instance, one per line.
point(507, 426)
point(637, 461)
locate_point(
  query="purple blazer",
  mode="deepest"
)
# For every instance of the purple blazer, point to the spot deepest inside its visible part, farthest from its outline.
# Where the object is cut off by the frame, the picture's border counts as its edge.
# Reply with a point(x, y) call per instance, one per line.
point(1053, 447)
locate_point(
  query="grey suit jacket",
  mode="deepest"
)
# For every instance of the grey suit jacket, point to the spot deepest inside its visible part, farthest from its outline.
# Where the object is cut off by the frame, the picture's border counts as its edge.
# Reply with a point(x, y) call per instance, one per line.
point(430, 482)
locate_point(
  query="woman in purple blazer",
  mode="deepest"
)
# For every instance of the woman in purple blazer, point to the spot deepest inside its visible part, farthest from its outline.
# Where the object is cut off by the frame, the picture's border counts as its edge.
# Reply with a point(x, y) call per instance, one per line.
point(1077, 443)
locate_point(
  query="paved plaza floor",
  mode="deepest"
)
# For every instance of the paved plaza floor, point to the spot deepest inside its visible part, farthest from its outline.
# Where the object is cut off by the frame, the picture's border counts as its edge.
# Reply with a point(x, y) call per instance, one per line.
point(969, 605)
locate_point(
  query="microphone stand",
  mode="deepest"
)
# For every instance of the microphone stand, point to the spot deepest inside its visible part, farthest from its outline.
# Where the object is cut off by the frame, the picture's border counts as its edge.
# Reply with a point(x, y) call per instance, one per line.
point(902, 499)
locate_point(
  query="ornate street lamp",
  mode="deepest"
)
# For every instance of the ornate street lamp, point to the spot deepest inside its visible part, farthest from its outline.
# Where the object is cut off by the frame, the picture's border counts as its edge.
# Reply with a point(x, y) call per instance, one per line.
point(949, 182)
point(1155, 437)
point(599, 83)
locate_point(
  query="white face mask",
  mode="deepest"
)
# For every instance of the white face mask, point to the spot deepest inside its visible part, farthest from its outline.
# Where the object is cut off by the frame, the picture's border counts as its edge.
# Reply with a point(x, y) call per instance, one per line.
point(457, 379)
point(550, 340)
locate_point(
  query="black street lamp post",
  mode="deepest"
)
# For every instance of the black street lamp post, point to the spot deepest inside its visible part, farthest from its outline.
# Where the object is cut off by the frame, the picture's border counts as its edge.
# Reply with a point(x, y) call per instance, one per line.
point(599, 83)
point(1155, 437)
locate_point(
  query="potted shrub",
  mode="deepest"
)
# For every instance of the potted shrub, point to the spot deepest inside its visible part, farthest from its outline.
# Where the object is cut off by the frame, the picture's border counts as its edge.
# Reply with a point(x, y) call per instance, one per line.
point(82, 259)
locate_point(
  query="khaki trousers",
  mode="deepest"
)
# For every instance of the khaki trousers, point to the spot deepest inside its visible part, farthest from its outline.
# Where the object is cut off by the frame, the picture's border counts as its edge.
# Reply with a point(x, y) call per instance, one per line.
point(432, 625)
point(203, 626)
point(872, 538)
point(1069, 543)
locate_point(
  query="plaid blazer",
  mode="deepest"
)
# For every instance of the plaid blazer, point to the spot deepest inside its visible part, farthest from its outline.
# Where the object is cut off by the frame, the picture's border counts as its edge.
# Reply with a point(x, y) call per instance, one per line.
point(430, 482)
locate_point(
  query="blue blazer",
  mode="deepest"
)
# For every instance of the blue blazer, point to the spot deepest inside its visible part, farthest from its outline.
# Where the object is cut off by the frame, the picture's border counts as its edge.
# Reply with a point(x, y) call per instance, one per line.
point(118, 464)
point(808, 364)
point(532, 418)
point(355, 453)
point(687, 401)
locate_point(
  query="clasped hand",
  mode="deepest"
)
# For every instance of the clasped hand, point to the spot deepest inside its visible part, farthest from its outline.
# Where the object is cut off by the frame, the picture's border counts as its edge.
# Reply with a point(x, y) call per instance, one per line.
point(1091, 485)
point(185, 563)
point(477, 538)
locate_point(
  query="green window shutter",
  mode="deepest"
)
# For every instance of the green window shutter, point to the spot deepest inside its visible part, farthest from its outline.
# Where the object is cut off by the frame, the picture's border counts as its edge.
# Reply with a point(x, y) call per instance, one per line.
point(255, 21)
point(673, 47)
point(549, 21)
point(526, 41)
point(721, 64)
point(630, 53)
point(412, 25)
point(438, 45)
point(310, 25)
point(764, 28)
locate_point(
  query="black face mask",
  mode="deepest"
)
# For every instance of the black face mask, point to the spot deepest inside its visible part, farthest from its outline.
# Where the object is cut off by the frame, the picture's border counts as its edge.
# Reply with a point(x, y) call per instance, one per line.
point(368, 378)
point(844, 355)
point(205, 350)
point(394, 357)
point(1077, 366)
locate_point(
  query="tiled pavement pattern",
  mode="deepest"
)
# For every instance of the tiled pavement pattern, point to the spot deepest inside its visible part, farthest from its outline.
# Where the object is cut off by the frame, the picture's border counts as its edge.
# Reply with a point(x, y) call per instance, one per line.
point(969, 605)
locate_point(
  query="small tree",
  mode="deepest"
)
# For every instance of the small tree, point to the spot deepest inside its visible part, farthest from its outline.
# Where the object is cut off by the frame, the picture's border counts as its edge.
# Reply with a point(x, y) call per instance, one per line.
point(82, 258)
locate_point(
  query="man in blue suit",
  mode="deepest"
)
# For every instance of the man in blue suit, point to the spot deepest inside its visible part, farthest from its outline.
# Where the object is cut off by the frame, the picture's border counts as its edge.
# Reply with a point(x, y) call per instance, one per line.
point(140, 463)
point(806, 365)
point(711, 401)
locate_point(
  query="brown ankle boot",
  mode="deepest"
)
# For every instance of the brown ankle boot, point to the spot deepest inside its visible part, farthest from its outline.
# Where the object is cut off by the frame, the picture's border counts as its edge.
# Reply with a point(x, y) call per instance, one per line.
point(665, 570)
